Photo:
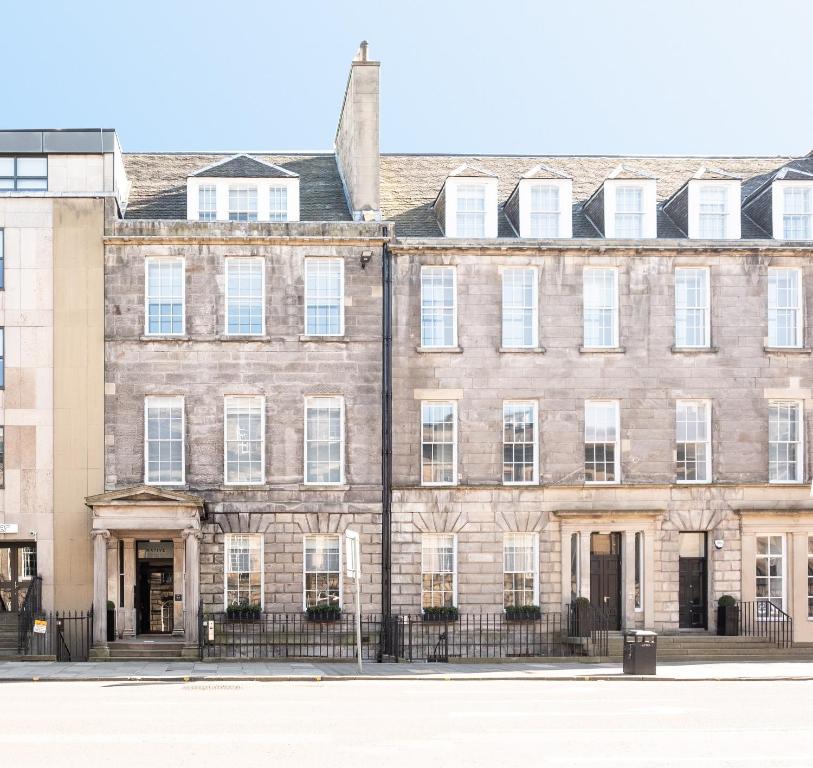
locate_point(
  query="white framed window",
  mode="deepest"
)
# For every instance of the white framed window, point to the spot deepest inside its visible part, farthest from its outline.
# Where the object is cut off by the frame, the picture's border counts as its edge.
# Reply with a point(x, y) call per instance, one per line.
point(324, 296)
point(471, 210)
point(24, 174)
point(243, 561)
point(245, 296)
point(207, 202)
point(520, 443)
point(692, 307)
point(693, 438)
point(164, 440)
point(324, 440)
point(438, 570)
point(629, 212)
point(520, 569)
point(784, 307)
point(242, 203)
point(438, 307)
point(545, 210)
point(520, 310)
point(323, 574)
point(244, 439)
point(810, 577)
point(601, 441)
point(713, 212)
point(600, 307)
point(797, 215)
point(438, 443)
point(638, 602)
point(27, 562)
point(785, 442)
point(770, 574)
point(278, 203)
point(165, 296)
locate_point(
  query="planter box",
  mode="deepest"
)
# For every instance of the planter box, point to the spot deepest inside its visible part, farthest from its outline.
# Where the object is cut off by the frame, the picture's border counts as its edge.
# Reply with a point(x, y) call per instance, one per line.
point(323, 616)
point(526, 614)
point(728, 620)
point(242, 618)
point(451, 614)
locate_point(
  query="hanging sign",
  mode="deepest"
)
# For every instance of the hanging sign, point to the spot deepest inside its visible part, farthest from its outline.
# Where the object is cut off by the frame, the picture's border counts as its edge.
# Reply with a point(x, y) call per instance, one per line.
point(155, 550)
point(40, 625)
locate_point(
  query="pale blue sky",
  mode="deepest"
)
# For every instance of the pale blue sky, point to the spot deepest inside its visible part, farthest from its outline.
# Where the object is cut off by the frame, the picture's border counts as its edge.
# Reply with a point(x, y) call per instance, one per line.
point(663, 76)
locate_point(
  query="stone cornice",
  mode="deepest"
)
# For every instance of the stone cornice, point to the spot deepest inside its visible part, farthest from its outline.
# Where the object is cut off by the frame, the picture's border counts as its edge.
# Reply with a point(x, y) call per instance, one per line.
point(270, 240)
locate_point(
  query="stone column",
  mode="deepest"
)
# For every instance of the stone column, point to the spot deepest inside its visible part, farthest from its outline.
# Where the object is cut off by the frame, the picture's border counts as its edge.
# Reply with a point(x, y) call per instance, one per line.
point(584, 563)
point(628, 616)
point(113, 573)
point(100, 538)
point(191, 584)
point(129, 587)
point(177, 586)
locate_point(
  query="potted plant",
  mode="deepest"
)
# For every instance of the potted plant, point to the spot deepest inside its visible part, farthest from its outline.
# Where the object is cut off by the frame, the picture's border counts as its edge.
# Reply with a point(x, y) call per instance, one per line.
point(441, 613)
point(582, 617)
point(728, 616)
point(323, 612)
point(111, 621)
point(243, 611)
point(522, 612)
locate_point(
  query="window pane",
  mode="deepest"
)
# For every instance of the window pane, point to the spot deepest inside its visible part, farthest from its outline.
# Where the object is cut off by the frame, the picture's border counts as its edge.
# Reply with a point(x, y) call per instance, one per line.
point(600, 308)
point(438, 570)
point(278, 204)
point(242, 203)
point(519, 569)
point(207, 203)
point(244, 296)
point(32, 166)
point(438, 307)
point(244, 440)
point(165, 296)
point(519, 307)
point(164, 440)
point(324, 296)
point(712, 212)
point(693, 442)
point(629, 212)
point(784, 308)
point(784, 442)
point(798, 214)
point(600, 441)
point(243, 564)
point(471, 207)
point(437, 443)
point(519, 443)
point(323, 440)
point(691, 307)
point(322, 571)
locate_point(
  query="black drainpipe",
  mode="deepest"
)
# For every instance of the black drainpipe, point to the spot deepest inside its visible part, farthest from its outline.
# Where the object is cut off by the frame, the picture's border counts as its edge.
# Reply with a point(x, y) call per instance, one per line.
point(386, 444)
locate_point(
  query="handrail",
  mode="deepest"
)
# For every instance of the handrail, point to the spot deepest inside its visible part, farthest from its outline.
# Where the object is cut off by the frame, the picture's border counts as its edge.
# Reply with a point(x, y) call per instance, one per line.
point(763, 618)
point(32, 604)
point(587, 621)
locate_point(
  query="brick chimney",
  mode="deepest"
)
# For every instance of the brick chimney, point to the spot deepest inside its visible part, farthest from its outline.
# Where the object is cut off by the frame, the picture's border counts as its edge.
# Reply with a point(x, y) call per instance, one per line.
point(356, 142)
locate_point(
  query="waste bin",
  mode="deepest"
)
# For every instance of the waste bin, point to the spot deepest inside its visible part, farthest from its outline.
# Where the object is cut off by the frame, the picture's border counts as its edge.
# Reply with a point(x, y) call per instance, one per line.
point(640, 652)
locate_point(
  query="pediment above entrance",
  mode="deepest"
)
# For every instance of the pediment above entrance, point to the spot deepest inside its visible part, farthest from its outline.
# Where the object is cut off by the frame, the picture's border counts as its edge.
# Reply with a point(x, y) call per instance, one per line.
point(141, 494)
point(145, 508)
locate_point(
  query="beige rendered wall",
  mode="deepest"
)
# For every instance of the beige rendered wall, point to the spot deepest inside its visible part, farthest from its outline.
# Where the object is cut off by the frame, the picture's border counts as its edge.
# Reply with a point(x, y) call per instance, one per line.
point(78, 391)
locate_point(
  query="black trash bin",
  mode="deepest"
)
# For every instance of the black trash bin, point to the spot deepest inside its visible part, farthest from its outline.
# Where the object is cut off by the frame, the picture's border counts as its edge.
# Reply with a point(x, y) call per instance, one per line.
point(640, 652)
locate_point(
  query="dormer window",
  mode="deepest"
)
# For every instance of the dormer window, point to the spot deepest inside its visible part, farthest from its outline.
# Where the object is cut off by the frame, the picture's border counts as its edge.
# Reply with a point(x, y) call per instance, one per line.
point(545, 213)
point(797, 214)
point(712, 213)
point(24, 174)
point(541, 204)
point(207, 203)
point(471, 210)
point(629, 212)
point(242, 203)
point(243, 188)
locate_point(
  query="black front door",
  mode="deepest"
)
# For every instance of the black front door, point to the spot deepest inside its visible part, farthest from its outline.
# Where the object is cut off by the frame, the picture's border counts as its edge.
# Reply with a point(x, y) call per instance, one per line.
point(692, 593)
point(18, 565)
point(154, 598)
point(605, 576)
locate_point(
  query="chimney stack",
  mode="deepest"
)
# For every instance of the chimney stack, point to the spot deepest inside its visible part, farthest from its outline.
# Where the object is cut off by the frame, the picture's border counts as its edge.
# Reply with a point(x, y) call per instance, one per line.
point(356, 143)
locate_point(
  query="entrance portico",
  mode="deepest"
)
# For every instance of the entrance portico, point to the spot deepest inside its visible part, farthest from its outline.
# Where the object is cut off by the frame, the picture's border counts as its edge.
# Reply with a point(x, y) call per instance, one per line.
point(146, 555)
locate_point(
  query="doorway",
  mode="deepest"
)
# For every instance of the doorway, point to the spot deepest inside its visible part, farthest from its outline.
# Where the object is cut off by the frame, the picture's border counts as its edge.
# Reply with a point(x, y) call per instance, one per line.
point(605, 576)
point(154, 588)
point(692, 581)
point(18, 565)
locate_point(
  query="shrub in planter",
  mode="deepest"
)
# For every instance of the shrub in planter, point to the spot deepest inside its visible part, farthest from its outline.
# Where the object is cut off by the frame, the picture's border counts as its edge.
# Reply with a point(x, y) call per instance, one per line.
point(441, 613)
point(582, 617)
point(522, 612)
point(243, 611)
point(728, 616)
point(323, 612)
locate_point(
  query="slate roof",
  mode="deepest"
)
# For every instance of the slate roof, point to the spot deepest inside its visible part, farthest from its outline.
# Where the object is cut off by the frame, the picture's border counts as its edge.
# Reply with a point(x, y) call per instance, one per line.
point(244, 166)
point(158, 183)
point(410, 184)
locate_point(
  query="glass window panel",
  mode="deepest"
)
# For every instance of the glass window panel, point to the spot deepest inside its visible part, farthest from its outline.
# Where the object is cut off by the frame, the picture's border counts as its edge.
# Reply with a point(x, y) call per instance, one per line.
point(165, 296)
point(798, 214)
point(784, 308)
point(545, 211)
point(323, 442)
point(784, 442)
point(278, 204)
point(600, 308)
point(243, 565)
point(519, 442)
point(438, 314)
point(519, 307)
point(242, 203)
point(32, 166)
point(324, 297)
point(629, 212)
point(244, 296)
point(245, 443)
point(471, 210)
point(600, 442)
point(770, 573)
point(438, 570)
point(519, 569)
point(164, 440)
point(438, 443)
point(207, 203)
point(691, 307)
point(322, 571)
point(693, 442)
point(712, 212)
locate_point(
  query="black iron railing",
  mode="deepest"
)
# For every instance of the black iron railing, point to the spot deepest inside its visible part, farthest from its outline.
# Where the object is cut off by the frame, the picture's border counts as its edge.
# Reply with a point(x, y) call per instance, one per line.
point(589, 627)
point(762, 618)
point(287, 636)
point(32, 603)
point(64, 635)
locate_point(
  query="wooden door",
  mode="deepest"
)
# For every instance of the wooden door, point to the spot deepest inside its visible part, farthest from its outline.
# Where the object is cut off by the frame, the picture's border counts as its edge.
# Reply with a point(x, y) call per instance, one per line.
point(605, 576)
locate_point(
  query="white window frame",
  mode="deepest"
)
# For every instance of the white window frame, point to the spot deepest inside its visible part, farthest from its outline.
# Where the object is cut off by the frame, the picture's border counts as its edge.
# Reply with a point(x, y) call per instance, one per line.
point(275, 214)
point(705, 308)
point(718, 216)
point(209, 193)
point(165, 260)
point(523, 404)
point(617, 451)
point(800, 444)
point(428, 270)
point(638, 580)
point(533, 536)
point(799, 309)
point(453, 404)
point(455, 563)
point(248, 190)
point(235, 400)
point(706, 404)
point(310, 261)
point(171, 401)
point(226, 565)
point(807, 191)
point(784, 575)
point(342, 445)
point(234, 261)
point(340, 539)
point(469, 186)
point(542, 212)
point(614, 308)
point(640, 213)
point(533, 309)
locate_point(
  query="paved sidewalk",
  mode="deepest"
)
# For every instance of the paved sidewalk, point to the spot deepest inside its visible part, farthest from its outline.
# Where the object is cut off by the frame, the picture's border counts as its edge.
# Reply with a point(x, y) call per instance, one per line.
point(271, 671)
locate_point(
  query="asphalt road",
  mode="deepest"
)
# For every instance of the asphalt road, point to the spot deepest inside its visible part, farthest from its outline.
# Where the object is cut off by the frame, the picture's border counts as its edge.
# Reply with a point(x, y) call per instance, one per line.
point(407, 723)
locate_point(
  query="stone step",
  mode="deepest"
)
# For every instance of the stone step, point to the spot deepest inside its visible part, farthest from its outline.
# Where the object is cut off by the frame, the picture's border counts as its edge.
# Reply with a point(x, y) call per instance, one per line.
point(126, 655)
